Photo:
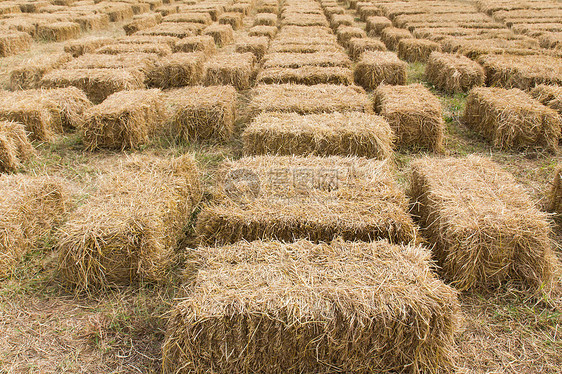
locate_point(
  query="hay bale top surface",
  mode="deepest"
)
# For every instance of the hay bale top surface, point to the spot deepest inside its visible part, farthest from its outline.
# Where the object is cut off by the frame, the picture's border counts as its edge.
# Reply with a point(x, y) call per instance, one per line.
point(549, 95)
point(148, 39)
point(295, 60)
point(509, 100)
point(232, 60)
point(125, 102)
point(310, 32)
point(538, 65)
point(411, 98)
point(379, 58)
point(138, 60)
point(198, 96)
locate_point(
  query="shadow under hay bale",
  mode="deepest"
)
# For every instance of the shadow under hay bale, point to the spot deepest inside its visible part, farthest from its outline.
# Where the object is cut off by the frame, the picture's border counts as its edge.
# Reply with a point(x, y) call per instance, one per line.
point(414, 114)
point(512, 119)
point(14, 42)
point(453, 73)
point(15, 147)
point(485, 228)
point(316, 198)
point(235, 69)
point(177, 70)
point(551, 96)
point(80, 47)
point(204, 44)
point(378, 67)
point(314, 308)
point(127, 230)
point(29, 73)
point(416, 50)
point(126, 119)
point(334, 134)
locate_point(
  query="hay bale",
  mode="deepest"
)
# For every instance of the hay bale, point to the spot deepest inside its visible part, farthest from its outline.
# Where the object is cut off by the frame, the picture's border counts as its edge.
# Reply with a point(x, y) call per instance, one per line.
point(321, 98)
point(202, 113)
point(414, 114)
point(304, 20)
point(257, 45)
point(307, 75)
point(524, 72)
point(345, 33)
point(15, 147)
point(356, 46)
point(149, 39)
point(80, 47)
point(317, 198)
point(204, 44)
point(268, 31)
point(485, 228)
point(127, 231)
point(333, 134)
point(555, 193)
point(119, 12)
point(14, 42)
point(296, 60)
point(58, 31)
point(140, 62)
point(138, 24)
point(37, 118)
point(376, 24)
point(369, 11)
point(375, 68)
point(550, 39)
point(265, 19)
point(93, 22)
point(512, 119)
point(177, 70)
point(320, 309)
point(240, 7)
point(98, 84)
point(391, 36)
point(126, 119)
point(453, 73)
point(336, 20)
point(417, 50)
point(235, 69)
point(175, 29)
point(223, 34)
point(303, 45)
point(202, 18)
point(30, 208)
point(29, 73)
point(117, 48)
point(551, 96)
point(233, 19)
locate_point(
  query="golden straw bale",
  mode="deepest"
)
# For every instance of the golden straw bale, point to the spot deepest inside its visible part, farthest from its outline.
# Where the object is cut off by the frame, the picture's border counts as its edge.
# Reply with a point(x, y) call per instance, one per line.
point(204, 44)
point(88, 45)
point(243, 8)
point(391, 36)
point(376, 24)
point(117, 48)
point(223, 34)
point(265, 19)
point(417, 50)
point(15, 147)
point(377, 67)
point(141, 23)
point(308, 75)
point(485, 228)
point(512, 119)
point(453, 73)
point(138, 61)
point(356, 46)
point(127, 230)
point(333, 134)
point(236, 69)
point(148, 39)
point(202, 113)
point(299, 19)
point(314, 308)
point(307, 32)
point(126, 119)
point(414, 114)
point(317, 198)
point(233, 19)
point(336, 20)
point(29, 73)
point(202, 18)
point(36, 117)
point(268, 31)
point(93, 22)
point(177, 70)
point(14, 42)
point(551, 96)
point(345, 33)
point(296, 60)
point(555, 193)
point(303, 45)
point(175, 29)
point(58, 31)
point(369, 11)
point(257, 45)
point(118, 12)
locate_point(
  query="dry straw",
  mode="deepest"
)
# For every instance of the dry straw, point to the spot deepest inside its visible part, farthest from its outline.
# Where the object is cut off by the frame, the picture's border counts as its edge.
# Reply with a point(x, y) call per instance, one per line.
point(267, 31)
point(307, 75)
point(304, 20)
point(356, 46)
point(368, 11)
point(14, 42)
point(555, 193)
point(155, 48)
point(485, 228)
point(265, 19)
point(204, 44)
point(550, 96)
point(177, 70)
point(391, 36)
point(321, 98)
point(296, 60)
point(236, 69)
point(453, 73)
point(345, 33)
point(376, 24)
point(126, 119)
point(175, 29)
point(334, 134)
point(512, 119)
point(58, 31)
point(223, 34)
point(89, 45)
point(234, 19)
point(148, 39)
point(377, 67)
point(414, 114)
point(127, 230)
point(15, 147)
point(29, 73)
point(93, 22)
point(337, 20)
point(416, 50)
point(138, 61)
point(139, 24)
point(257, 45)
point(202, 113)
point(318, 198)
point(202, 18)
point(314, 308)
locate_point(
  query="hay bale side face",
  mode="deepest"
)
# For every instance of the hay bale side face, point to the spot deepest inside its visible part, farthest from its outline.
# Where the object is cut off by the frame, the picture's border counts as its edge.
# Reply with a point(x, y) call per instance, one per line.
point(511, 119)
point(93, 22)
point(376, 24)
point(29, 73)
point(267, 31)
point(58, 31)
point(257, 45)
point(356, 46)
point(306, 197)
point(80, 47)
point(37, 119)
point(335, 134)
point(306, 75)
point(114, 49)
point(375, 68)
point(555, 195)
point(14, 42)
point(391, 36)
point(234, 19)
point(550, 96)
point(453, 73)
point(235, 69)
point(414, 114)
point(223, 34)
point(126, 119)
point(177, 70)
point(345, 33)
point(203, 113)
point(300, 321)
point(265, 19)
point(126, 232)
point(416, 50)
point(14, 146)
point(204, 44)
point(485, 228)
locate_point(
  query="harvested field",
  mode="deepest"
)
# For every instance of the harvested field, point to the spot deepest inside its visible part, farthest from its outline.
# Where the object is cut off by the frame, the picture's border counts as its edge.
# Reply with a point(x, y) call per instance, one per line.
point(512, 119)
point(139, 24)
point(300, 307)
point(334, 134)
point(15, 147)
point(486, 229)
point(286, 198)
point(416, 50)
point(202, 18)
point(454, 73)
point(234, 19)
point(378, 67)
point(551, 96)
point(236, 69)
point(306, 75)
point(175, 29)
point(137, 61)
point(127, 230)
point(265, 19)
point(177, 70)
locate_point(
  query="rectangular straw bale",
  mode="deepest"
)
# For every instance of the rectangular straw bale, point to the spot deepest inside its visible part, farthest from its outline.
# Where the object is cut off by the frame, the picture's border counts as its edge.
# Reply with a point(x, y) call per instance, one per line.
point(391, 36)
point(307, 75)
point(28, 73)
point(333, 134)
point(233, 19)
point(551, 96)
point(309, 32)
point(316, 198)
point(555, 193)
point(14, 42)
point(257, 45)
point(142, 62)
point(30, 207)
point(118, 12)
point(37, 119)
point(88, 45)
point(203, 43)
point(243, 8)
point(414, 114)
point(376, 24)
point(202, 18)
point(377, 67)
point(268, 31)
point(58, 31)
point(236, 69)
point(336, 20)
point(417, 50)
point(314, 308)
point(524, 72)
point(178, 30)
point(356, 46)
point(126, 119)
point(303, 45)
point(453, 73)
point(177, 70)
point(202, 113)
point(148, 39)
point(304, 20)
point(485, 228)
point(296, 60)
point(117, 48)
point(512, 119)
point(265, 19)
point(127, 230)
point(93, 22)
point(345, 33)
point(309, 99)
point(138, 24)
point(98, 84)
point(223, 34)
point(369, 11)
point(15, 147)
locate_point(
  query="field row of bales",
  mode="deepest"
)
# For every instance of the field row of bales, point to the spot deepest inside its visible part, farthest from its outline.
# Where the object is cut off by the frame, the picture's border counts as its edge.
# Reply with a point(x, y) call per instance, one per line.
point(205, 186)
